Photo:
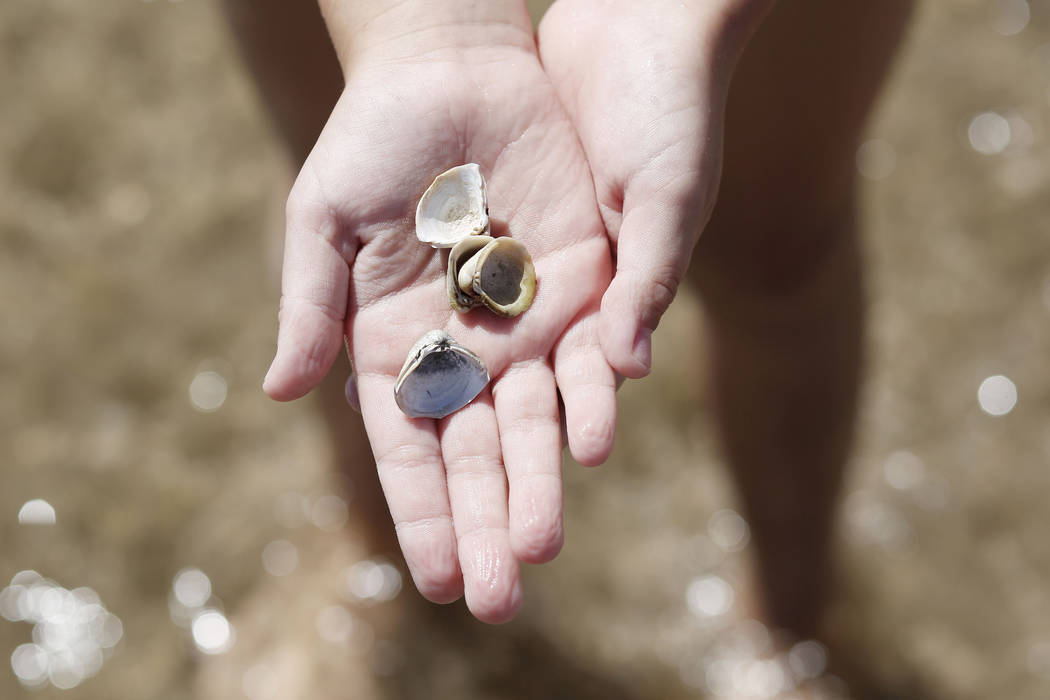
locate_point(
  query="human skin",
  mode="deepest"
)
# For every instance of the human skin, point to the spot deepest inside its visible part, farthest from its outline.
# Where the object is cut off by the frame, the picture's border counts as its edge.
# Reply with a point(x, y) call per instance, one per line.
point(646, 86)
point(474, 493)
point(633, 95)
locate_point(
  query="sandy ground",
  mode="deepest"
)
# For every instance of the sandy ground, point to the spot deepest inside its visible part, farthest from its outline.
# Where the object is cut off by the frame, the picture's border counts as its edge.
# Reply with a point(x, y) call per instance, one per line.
point(139, 185)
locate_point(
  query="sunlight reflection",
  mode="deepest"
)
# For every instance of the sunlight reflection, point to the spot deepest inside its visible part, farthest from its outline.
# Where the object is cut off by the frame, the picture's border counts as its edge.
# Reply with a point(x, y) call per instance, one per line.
point(748, 638)
point(1009, 17)
point(212, 632)
point(192, 588)
point(280, 558)
point(372, 581)
point(728, 530)
point(875, 522)
point(72, 632)
point(709, 596)
point(190, 591)
point(808, 659)
point(208, 391)
point(989, 133)
point(997, 395)
point(1022, 135)
point(36, 512)
point(338, 625)
point(329, 513)
point(904, 470)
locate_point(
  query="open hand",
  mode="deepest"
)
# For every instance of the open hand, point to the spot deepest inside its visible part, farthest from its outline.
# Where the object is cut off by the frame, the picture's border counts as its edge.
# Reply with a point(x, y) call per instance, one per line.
point(477, 491)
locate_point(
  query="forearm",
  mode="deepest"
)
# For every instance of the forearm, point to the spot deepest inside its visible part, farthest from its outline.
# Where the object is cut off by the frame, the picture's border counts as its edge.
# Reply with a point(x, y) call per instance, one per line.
point(412, 28)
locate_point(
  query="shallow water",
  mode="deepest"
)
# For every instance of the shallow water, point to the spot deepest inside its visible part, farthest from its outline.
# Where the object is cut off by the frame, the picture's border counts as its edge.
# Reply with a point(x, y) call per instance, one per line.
point(140, 191)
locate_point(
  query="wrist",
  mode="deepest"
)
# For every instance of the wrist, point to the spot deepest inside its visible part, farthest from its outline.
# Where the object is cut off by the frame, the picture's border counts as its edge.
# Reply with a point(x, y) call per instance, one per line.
point(412, 28)
point(717, 29)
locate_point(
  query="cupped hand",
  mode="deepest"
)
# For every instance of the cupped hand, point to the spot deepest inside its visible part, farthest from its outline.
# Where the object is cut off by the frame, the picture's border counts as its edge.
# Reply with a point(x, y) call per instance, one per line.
point(645, 85)
point(476, 492)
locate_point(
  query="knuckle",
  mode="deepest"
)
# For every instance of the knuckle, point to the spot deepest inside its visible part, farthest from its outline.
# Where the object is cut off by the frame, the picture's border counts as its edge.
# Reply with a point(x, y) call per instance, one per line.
point(407, 458)
point(539, 540)
point(661, 288)
point(537, 533)
point(430, 553)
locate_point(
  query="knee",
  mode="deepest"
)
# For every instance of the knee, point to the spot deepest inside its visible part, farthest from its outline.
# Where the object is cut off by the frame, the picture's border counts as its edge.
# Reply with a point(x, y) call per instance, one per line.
point(779, 263)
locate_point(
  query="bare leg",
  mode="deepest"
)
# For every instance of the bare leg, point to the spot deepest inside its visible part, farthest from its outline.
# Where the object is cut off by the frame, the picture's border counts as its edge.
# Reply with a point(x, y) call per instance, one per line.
point(779, 270)
point(287, 48)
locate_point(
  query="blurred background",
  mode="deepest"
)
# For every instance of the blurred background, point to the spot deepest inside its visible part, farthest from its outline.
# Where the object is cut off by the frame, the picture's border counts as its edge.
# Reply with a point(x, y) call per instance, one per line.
point(168, 532)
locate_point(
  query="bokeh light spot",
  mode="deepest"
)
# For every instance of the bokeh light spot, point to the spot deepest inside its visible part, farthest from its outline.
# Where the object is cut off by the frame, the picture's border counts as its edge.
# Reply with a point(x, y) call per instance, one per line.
point(709, 596)
point(191, 587)
point(989, 133)
point(808, 659)
point(728, 530)
point(208, 391)
point(997, 395)
point(280, 558)
point(329, 513)
point(212, 632)
point(373, 581)
point(904, 470)
point(36, 512)
point(1010, 17)
point(29, 662)
point(72, 631)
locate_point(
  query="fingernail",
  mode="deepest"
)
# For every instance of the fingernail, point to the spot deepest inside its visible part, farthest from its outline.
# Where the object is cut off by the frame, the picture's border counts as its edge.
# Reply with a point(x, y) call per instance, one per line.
point(643, 347)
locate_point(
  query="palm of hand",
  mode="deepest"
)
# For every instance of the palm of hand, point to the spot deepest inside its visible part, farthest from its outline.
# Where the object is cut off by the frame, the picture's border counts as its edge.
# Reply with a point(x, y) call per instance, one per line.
point(351, 255)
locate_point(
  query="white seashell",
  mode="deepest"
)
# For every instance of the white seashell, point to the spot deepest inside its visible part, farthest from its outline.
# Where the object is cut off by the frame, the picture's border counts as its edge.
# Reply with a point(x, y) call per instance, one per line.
point(439, 377)
point(462, 298)
point(453, 207)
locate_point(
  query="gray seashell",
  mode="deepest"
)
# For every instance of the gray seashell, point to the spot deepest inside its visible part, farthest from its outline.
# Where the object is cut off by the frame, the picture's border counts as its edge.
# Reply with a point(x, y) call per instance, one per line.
point(453, 207)
point(495, 272)
point(439, 377)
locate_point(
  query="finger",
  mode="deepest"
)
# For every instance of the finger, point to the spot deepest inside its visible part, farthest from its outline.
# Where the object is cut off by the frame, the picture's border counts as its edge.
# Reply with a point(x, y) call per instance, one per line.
point(588, 389)
point(408, 459)
point(527, 410)
point(652, 253)
point(314, 282)
point(350, 392)
point(477, 489)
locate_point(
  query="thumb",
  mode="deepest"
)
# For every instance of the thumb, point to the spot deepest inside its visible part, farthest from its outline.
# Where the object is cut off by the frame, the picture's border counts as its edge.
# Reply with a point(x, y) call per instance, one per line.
point(653, 247)
point(314, 284)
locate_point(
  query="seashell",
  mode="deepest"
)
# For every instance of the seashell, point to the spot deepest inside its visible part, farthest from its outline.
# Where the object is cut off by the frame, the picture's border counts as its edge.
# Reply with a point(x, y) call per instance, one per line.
point(498, 273)
point(453, 207)
point(459, 297)
point(439, 377)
